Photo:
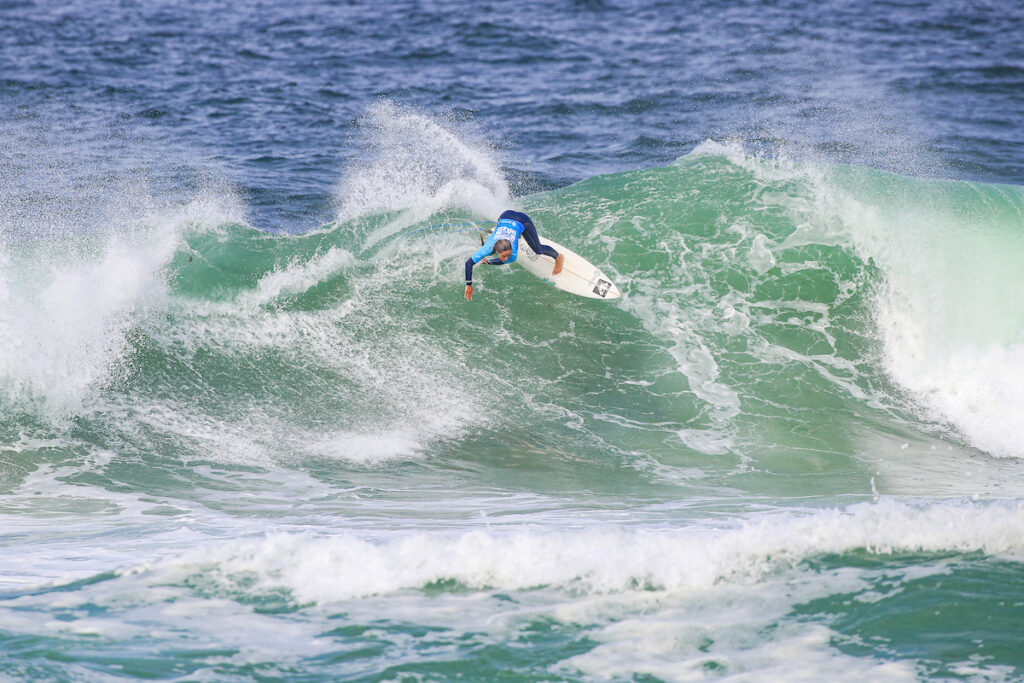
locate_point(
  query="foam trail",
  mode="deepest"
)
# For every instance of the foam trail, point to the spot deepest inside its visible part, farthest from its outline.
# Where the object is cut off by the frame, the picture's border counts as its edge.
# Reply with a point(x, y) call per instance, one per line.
point(693, 358)
point(300, 277)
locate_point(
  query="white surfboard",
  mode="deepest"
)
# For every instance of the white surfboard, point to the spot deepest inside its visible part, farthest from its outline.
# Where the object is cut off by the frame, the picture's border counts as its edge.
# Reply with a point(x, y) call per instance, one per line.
point(579, 276)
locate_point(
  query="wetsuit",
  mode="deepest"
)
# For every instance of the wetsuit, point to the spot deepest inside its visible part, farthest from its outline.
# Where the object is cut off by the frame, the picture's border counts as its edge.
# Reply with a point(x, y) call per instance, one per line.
point(511, 226)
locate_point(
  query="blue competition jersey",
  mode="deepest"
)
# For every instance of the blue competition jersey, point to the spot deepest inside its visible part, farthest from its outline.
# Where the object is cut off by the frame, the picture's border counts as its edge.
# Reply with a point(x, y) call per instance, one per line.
point(506, 229)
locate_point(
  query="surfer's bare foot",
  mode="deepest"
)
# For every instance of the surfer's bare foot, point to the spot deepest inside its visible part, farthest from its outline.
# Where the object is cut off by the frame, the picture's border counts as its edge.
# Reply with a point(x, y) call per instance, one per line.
point(558, 264)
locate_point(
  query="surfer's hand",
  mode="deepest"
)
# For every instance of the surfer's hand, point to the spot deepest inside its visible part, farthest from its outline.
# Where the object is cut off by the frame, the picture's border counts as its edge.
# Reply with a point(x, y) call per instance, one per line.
point(469, 292)
point(558, 264)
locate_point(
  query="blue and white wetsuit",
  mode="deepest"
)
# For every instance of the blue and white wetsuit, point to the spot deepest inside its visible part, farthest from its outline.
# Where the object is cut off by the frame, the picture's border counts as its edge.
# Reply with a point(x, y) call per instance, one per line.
point(511, 226)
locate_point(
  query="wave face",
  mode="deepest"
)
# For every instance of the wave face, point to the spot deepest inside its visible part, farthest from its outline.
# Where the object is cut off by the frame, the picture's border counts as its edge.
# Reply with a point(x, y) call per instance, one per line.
point(772, 449)
point(772, 308)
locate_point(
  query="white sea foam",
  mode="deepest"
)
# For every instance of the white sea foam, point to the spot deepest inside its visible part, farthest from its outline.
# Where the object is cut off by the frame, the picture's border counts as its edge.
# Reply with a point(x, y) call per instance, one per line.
point(666, 317)
point(78, 271)
point(941, 316)
point(607, 560)
point(948, 314)
point(673, 601)
point(372, 447)
point(747, 644)
point(394, 390)
point(69, 302)
point(678, 603)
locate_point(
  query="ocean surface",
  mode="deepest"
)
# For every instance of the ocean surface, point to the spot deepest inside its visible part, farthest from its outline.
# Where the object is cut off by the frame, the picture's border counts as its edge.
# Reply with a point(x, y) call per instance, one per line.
point(250, 430)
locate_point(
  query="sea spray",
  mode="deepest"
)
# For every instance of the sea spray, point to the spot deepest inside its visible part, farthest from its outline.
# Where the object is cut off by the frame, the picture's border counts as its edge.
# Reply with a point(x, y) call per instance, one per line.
point(416, 166)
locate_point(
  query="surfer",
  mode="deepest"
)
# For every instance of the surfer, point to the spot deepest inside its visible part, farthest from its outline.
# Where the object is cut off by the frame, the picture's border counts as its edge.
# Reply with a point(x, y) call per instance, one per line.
point(503, 246)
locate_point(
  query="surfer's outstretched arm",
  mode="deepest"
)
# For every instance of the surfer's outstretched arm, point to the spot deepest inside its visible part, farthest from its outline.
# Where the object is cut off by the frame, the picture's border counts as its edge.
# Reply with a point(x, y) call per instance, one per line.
point(469, 273)
point(469, 278)
point(476, 257)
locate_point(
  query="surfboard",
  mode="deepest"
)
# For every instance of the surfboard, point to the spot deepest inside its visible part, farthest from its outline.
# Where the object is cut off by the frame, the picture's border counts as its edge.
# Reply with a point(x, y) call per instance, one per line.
point(579, 276)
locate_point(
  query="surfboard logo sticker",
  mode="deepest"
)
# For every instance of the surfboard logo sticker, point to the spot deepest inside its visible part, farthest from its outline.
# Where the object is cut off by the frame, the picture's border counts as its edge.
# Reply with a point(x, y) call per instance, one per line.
point(602, 287)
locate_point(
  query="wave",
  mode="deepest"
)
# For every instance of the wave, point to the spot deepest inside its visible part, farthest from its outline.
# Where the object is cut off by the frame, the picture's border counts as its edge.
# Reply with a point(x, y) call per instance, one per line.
point(753, 593)
point(771, 591)
point(774, 311)
point(601, 560)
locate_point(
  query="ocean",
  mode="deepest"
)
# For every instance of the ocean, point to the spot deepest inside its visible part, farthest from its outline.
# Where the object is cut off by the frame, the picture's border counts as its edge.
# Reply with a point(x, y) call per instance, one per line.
point(250, 429)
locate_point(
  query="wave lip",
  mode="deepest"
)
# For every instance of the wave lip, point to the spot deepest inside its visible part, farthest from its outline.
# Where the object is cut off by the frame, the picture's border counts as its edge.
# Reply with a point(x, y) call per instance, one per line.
point(70, 302)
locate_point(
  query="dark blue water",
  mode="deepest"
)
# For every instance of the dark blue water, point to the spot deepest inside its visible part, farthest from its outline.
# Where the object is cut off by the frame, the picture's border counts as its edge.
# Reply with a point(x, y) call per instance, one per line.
point(268, 93)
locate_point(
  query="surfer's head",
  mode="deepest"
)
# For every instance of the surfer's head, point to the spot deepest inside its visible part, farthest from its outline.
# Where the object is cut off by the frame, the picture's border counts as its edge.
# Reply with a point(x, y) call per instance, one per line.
point(503, 250)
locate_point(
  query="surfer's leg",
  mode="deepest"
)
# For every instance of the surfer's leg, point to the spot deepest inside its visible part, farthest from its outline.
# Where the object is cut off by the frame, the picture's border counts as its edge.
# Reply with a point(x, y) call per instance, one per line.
point(530, 234)
point(514, 216)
